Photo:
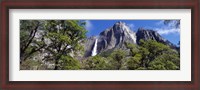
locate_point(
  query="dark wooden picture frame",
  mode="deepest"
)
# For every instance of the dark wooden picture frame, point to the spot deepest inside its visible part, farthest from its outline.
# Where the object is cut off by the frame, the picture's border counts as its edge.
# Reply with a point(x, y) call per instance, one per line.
point(194, 84)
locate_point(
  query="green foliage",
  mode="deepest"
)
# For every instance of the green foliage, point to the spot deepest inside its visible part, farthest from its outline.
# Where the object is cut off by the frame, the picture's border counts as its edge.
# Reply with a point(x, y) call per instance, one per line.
point(154, 47)
point(152, 55)
point(28, 31)
point(65, 36)
point(96, 63)
point(165, 62)
point(134, 62)
point(118, 56)
point(141, 68)
point(59, 38)
point(161, 57)
point(149, 55)
point(30, 64)
point(106, 53)
point(69, 63)
point(134, 49)
point(27, 27)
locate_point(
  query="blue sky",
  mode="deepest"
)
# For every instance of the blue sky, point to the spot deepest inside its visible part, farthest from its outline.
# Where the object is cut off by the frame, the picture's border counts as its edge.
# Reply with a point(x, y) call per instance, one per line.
point(169, 32)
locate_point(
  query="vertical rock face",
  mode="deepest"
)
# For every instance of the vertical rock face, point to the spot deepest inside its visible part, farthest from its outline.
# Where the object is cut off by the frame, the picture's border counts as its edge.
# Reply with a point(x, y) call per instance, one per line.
point(116, 36)
point(111, 38)
point(88, 45)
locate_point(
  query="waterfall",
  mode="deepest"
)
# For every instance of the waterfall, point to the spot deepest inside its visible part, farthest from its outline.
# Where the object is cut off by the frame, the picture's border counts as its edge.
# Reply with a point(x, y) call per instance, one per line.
point(94, 51)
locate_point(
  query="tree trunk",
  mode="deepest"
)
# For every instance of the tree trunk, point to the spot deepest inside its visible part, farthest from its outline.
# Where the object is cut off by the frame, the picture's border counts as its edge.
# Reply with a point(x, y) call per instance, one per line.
point(56, 65)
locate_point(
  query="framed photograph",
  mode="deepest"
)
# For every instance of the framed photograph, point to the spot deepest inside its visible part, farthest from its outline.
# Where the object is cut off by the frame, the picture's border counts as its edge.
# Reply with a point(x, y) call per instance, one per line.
point(115, 44)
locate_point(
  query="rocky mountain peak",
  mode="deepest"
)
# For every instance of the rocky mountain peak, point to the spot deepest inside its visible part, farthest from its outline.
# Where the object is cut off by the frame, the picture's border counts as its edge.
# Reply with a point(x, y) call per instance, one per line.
point(120, 26)
point(111, 38)
point(120, 23)
point(116, 36)
point(147, 34)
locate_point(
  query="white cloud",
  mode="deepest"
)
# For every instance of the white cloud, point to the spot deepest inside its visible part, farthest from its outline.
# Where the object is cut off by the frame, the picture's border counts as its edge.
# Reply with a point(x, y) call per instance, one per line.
point(131, 26)
point(160, 23)
point(170, 28)
point(164, 31)
point(173, 23)
point(88, 25)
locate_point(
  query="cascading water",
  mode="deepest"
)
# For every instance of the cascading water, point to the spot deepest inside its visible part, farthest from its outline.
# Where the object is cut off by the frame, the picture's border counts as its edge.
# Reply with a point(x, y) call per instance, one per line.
point(94, 51)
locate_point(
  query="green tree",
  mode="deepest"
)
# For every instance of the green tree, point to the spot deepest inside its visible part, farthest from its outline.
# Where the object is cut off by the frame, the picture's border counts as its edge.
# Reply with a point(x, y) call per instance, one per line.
point(106, 53)
point(134, 62)
point(134, 49)
point(165, 62)
point(30, 64)
point(152, 55)
point(154, 48)
point(96, 63)
point(118, 57)
point(64, 38)
point(160, 56)
point(28, 44)
point(69, 63)
point(139, 56)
